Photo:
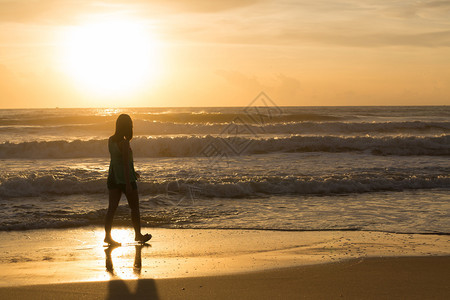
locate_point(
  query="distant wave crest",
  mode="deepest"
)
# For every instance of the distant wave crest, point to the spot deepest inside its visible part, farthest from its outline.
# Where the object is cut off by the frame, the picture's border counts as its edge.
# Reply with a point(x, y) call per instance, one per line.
point(232, 145)
point(146, 127)
point(174, 117)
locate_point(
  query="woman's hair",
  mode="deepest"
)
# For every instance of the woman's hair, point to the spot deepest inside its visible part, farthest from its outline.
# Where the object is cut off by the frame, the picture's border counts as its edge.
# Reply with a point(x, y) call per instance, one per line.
point(124, 127)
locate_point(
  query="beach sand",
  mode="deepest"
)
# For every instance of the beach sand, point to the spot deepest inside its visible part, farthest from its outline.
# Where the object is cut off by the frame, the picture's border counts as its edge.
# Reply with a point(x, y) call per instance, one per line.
point(224, 264)
point(371, 278)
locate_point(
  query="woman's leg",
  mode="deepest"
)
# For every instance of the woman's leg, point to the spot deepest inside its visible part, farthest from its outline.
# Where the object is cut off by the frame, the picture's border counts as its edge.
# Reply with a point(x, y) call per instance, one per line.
point(133, 202)
point(114, 198)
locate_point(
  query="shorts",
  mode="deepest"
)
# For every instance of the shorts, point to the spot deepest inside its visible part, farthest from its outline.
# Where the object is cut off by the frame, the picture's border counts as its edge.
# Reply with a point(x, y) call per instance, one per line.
point(112, 185)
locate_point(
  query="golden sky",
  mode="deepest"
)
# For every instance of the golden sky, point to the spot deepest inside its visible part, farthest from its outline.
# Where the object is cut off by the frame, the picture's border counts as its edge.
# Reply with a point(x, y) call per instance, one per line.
point(58, 53)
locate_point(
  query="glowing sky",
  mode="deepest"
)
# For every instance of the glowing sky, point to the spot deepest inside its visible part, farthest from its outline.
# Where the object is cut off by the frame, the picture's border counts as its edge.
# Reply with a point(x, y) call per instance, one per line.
point(222, 53)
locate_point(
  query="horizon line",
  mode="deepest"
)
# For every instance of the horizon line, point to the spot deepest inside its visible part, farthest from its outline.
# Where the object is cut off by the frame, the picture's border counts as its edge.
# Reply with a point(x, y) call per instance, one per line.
point(132, 107)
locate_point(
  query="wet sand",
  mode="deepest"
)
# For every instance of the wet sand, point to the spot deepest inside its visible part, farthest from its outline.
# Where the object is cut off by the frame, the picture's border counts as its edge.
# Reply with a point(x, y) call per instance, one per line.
point(202, 264)
point(371, 278)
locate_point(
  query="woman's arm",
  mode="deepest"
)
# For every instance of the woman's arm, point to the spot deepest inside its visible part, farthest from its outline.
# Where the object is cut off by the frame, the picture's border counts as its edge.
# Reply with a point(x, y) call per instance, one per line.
point(125, 145)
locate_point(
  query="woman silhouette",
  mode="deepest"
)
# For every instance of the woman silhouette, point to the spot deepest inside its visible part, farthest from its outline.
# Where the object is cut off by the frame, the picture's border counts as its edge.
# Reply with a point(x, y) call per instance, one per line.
point(122, 179)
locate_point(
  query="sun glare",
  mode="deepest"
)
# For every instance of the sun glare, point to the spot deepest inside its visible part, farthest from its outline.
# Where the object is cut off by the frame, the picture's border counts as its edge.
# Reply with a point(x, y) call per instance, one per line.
point(110, 58)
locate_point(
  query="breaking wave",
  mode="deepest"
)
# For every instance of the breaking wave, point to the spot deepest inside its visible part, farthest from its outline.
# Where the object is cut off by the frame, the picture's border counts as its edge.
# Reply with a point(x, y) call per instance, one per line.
point(232, 145)
point(227, 187)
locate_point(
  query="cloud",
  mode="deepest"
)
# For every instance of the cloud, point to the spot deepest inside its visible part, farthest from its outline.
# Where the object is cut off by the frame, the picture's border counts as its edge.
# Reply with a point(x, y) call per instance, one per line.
point(434, 4)
point(41, 11)
point(287, 86)
point(308, 23)
point(66, 11)
point(261, 22)
point(240, 80)
point(10, 89)
point(206, 5)
point(292, 37)
point(427, 39)
point(282, 87)
point(437, 10)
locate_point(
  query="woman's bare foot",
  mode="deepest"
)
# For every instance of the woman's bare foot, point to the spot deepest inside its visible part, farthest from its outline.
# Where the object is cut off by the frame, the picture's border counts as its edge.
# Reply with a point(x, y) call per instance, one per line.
point(111, 242)
point(143, 238)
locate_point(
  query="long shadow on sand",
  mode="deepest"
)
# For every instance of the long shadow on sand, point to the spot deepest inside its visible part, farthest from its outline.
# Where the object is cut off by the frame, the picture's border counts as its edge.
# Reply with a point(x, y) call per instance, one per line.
point(145, 289)
point(118, 289)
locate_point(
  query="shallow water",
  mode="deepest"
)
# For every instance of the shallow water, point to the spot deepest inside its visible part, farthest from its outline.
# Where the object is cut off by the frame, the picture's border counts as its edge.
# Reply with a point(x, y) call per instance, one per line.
point(348, 168)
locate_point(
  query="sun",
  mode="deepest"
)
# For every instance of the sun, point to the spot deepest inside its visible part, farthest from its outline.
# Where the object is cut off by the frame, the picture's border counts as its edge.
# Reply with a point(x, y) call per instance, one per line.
point(110, 58)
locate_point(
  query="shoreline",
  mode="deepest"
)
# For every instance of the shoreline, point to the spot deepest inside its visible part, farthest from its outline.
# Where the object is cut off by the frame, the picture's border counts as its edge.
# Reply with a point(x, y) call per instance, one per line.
point(420, 277)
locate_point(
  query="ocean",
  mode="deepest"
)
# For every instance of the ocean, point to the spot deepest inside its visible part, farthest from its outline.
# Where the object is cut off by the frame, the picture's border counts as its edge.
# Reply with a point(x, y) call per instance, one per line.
point(256, 167)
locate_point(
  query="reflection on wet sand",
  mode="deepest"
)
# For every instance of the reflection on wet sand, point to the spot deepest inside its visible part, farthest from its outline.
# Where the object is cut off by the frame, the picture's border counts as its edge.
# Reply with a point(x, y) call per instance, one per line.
point(137, 265)
point(118, 288)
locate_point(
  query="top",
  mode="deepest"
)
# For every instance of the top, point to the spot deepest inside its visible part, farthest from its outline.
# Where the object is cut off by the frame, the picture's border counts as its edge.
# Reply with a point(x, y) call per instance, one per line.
point(116, 164)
